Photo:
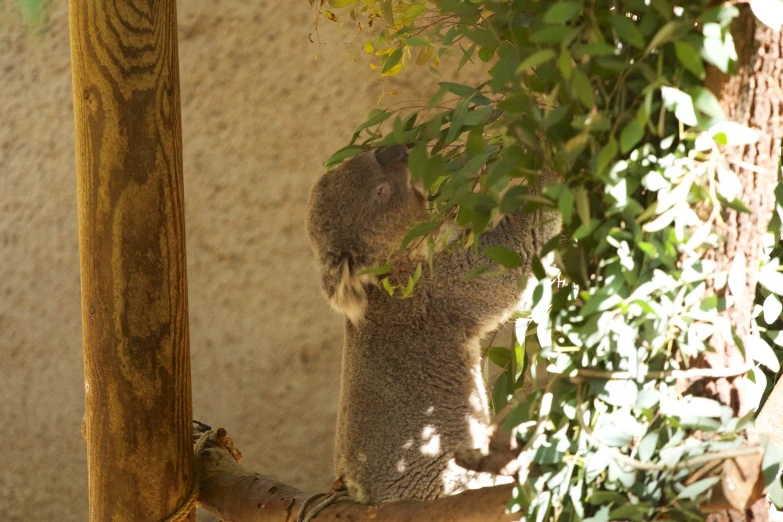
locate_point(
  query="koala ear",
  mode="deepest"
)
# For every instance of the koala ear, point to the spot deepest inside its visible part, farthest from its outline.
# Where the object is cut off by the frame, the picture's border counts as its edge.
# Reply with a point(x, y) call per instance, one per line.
point(344, 288)
point(393, 156)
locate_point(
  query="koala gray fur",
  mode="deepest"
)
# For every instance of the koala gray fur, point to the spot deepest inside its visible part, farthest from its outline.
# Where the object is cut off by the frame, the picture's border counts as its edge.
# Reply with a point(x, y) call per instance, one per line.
point(412, 390)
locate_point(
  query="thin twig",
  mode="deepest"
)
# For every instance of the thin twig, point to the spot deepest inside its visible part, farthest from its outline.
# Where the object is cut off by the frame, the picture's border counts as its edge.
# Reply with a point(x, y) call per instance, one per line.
point(695, 373)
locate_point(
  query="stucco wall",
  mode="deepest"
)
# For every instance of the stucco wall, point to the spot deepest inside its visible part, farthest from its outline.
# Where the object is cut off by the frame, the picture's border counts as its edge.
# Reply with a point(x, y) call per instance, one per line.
point(259, 117)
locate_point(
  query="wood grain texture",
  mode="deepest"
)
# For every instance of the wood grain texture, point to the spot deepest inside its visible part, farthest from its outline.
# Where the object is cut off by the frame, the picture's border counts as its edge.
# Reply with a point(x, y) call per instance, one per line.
point(132, 250)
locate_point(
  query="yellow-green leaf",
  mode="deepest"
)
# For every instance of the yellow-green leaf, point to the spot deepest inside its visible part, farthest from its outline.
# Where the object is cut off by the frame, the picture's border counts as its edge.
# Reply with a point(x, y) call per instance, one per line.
point(339, 4)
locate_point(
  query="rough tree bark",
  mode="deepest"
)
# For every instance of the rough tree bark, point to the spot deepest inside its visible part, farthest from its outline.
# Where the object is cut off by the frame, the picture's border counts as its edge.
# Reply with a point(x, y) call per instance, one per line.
point(237, 495)
point(754, 97)
point(132, 247)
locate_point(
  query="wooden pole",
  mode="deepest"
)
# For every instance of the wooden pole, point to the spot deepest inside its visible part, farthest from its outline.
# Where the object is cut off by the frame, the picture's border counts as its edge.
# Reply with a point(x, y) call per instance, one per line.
point(132, 248)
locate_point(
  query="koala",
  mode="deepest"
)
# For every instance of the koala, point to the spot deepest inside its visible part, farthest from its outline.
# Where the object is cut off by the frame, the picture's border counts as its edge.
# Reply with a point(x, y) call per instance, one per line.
point(412, 391)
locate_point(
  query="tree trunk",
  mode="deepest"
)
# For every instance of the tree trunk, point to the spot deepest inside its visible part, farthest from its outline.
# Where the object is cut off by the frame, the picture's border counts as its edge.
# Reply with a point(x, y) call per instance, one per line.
point(132, 249)
point(754, 97)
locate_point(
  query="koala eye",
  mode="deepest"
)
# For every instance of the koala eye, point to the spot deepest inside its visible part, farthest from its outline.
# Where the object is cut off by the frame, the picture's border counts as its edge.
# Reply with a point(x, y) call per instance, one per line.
point(382, 191)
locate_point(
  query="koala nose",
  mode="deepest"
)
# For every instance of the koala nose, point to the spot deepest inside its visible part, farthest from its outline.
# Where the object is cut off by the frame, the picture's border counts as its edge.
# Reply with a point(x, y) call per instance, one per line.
point(393, 156)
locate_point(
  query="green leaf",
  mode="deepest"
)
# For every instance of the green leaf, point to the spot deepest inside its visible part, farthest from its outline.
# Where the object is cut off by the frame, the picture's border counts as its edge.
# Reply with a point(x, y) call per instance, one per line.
point(475, 143)
point(663, 35)
point(717, 49)
point(564, 64)
point(680, 104)
point(775, 493)
point(555, 116)
point(466, 56)
point(697, 488)
point(606, 155)
point(582, 88)
point(375, 117)
point(582, 205)
point(456, 121)
point(761, 352)
point(565, 204)
point(339, 4)
point(478, 115)
point(772, 280)
point(436, 168)
point(413, 12)
point(487, 53)
point(662, 221)
point(419, 230)
point(561, 12)
point(344, 153)
point(770, 464)
point(387, 286)
point(417, 161)
point(631, 135)
point(731, 133)
point(706, 102)
point(554, 34)
point(536, 59)
point(388, 14)
point(499, 355)
point(627, 30)
point(415, 41)
point(385, 269)
point(408, 290)
point(737, 275)
point(465, 91)
point(615, 392)
point(542, 300)
point(647, 446)
point(601, 516)
point(503, 256)
point(772, 308)
point(618, 429)
point(500, 393)
point(689, 58)
point(392, 60)
point(596, 49)
point(477, 272)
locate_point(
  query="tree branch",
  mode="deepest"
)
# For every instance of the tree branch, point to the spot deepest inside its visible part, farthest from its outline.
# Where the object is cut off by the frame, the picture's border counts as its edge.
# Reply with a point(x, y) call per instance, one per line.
point(235, 494)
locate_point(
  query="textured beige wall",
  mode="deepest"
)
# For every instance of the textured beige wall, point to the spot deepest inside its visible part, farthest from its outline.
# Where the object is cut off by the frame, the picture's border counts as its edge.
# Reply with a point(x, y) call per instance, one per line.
point(259, 117)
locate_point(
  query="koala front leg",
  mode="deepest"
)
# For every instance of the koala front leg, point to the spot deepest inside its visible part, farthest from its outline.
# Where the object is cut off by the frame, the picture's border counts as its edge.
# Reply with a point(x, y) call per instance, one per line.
point(486, 301)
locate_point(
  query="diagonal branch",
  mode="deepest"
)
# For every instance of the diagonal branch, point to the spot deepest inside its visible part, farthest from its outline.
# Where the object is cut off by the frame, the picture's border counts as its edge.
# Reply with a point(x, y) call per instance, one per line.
point(235, 494)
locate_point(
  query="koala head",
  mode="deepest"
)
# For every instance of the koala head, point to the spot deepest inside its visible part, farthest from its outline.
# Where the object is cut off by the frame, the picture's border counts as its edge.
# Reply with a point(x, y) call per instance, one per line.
point(357, 215)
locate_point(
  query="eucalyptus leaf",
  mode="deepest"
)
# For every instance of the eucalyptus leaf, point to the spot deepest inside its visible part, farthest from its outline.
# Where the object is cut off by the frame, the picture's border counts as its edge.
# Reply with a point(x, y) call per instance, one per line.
point(689, 57)
point(697, 488)
point(738, 275)
point(772, 309)
point(627, 30)
point(761, 352)
point(562, 12)
point(680, 103)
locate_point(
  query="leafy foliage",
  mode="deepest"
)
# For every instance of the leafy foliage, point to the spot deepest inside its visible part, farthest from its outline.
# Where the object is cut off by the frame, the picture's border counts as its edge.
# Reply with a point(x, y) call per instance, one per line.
point(609, 96)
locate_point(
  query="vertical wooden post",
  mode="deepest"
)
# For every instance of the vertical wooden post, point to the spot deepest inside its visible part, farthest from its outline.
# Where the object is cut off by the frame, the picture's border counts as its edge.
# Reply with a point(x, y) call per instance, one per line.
point(132, 245)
